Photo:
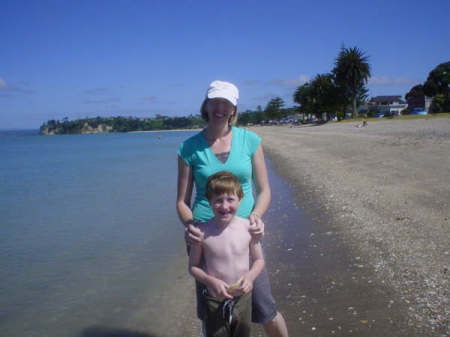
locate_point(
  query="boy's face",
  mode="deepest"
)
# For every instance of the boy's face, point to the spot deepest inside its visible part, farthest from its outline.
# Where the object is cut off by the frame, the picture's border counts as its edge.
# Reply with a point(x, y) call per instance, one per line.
point(224, 206)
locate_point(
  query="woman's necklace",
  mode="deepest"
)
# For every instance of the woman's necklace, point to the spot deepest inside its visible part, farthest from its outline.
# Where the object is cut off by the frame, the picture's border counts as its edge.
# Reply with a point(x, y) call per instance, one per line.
point(220, 146)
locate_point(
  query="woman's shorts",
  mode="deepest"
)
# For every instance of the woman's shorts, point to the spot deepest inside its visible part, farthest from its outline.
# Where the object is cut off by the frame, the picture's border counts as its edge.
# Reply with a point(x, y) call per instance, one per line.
point(263, 303)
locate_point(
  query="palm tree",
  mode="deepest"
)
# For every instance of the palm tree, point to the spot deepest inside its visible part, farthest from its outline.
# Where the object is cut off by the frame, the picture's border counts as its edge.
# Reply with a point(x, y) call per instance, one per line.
point(352, 71)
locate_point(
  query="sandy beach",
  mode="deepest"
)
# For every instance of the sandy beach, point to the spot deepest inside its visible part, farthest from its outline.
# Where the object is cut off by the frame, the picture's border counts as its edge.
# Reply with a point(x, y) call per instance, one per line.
point(356, 234)
point(383, 193)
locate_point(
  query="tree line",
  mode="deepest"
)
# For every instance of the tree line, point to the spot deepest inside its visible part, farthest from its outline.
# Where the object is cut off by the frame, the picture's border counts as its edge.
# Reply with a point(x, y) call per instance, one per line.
point(343, 86)
point(437, 86)
point(333, 93)
point(330, 93)
point(120, 124)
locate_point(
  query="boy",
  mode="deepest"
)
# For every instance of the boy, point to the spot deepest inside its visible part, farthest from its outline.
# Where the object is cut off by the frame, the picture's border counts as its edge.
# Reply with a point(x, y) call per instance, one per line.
point(222, 261)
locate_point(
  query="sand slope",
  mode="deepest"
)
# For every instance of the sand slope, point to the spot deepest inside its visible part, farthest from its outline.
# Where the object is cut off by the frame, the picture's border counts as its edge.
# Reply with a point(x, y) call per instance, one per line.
point(387, 190)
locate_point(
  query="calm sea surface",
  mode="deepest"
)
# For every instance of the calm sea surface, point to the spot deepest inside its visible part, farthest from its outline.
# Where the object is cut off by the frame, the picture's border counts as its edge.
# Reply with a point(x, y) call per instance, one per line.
point(86, 223)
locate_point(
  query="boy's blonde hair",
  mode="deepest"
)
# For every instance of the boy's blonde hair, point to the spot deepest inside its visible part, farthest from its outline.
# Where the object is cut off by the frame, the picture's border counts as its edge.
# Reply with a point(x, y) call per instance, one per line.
point(223, 182)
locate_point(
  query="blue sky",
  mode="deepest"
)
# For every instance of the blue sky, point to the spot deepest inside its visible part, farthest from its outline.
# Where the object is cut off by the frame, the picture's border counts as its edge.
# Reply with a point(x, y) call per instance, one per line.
point(93, 58)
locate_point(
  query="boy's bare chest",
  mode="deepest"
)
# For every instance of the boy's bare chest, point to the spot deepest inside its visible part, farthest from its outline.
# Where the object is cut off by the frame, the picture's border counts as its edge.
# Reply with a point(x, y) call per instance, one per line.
point(232, 243)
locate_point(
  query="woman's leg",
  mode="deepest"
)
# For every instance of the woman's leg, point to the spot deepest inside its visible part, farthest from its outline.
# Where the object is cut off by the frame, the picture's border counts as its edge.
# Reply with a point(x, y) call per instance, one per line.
point(264, 310)
point(276, 327)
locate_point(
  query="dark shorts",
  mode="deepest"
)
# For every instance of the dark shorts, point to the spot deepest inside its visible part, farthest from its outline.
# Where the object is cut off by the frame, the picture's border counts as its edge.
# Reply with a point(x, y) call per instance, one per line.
point(224, 319)
point(263, 303)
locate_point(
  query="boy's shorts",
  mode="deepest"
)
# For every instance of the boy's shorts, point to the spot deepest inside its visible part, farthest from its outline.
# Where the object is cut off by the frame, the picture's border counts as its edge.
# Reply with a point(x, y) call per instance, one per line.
point(228, 317)
point(263, 303)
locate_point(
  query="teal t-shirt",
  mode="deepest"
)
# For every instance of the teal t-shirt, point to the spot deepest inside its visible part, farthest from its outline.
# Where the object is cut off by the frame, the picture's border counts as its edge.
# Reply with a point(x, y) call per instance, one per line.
point(196, 153)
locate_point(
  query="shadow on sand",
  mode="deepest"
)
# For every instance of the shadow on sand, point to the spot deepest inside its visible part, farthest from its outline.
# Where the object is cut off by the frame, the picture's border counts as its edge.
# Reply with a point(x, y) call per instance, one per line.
point(309, 124)
point(101, 331)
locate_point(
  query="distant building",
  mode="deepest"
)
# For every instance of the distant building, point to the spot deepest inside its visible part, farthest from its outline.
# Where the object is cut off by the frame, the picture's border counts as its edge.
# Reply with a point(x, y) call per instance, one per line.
point(388, 104)
point(428, 102)
point(386, 100)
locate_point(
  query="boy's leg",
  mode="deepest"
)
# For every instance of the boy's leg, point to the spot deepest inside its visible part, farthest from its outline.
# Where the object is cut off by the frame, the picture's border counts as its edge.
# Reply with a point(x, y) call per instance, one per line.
point(242, 316)
point(199, 290)
point(213, 323)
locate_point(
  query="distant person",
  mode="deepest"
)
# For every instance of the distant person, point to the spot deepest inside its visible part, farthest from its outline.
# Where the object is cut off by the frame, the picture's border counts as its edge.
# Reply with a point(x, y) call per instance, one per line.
point(226, 272)
point(362, 125)
point(222, 146)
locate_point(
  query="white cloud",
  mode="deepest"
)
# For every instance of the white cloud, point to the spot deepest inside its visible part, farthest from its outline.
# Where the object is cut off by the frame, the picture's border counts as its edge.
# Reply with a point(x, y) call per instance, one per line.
point(386, 81)
point(4, 85)
point(149, 98)
point(264, 98)
point(13, 89)
point(109, 100)
point(251, 83)
point(292, 82)
point(96, 91)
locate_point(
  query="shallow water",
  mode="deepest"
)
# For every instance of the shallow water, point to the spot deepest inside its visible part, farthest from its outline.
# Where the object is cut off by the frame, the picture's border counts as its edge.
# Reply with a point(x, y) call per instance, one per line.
point(87, 222)
point(88, 230)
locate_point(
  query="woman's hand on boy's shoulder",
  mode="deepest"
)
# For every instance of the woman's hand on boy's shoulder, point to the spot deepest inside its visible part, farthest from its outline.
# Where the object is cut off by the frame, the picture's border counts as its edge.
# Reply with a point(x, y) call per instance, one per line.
point(256, 227)
point(193, 235)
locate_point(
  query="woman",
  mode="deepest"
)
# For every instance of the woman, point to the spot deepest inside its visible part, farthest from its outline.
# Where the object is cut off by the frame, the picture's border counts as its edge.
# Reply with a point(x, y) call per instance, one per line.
point(221, 146)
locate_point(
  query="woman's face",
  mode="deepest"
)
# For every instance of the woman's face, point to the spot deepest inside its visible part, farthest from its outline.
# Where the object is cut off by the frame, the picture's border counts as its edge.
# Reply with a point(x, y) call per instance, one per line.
point(219, 110)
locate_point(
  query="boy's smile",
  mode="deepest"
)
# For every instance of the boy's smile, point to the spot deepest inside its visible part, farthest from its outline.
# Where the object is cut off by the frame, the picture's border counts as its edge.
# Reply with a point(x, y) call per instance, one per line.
point(225, 206)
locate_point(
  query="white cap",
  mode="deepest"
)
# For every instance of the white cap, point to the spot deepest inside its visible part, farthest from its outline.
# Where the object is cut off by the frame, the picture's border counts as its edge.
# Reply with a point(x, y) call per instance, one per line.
point(222, 89)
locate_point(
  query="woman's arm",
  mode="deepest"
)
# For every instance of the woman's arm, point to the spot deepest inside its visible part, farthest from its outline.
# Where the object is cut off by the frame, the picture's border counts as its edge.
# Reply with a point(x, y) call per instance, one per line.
point(261, 182)
point(184, 194)
point(263, 194)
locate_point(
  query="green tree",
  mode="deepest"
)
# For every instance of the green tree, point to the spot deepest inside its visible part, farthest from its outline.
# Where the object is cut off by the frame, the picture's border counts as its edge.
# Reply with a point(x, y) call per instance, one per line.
point(327, 95)
point(319, 96)
point(415, 91)
point(438, 87)
point(415, 97)
point(304, 96)
point(259, 115)
point(273, 108)
point(244, 118)
point(352, 71)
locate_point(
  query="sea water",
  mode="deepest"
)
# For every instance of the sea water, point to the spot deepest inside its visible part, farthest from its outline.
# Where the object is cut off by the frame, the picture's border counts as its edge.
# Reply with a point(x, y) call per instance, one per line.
point(86, 224)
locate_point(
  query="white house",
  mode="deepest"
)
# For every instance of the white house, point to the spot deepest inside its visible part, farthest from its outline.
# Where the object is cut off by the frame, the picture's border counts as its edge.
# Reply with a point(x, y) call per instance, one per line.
point(388, 104)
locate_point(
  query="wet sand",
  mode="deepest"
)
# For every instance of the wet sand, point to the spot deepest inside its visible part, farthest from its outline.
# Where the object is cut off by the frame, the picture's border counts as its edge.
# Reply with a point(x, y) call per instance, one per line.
point(376, 261)
point(322, 287)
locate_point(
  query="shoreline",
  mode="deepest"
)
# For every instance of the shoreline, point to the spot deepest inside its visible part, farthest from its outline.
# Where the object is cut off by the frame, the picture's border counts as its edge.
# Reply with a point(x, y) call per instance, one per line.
point(383, 189)
point(171, 130)
point(345, 254)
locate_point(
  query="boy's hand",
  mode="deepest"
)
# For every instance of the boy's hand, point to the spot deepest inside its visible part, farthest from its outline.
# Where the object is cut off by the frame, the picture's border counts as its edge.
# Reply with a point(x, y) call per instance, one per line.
point(193, 235)
point(256, 227)
point(234, 289)
point(219, 289)
point(246, 285)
